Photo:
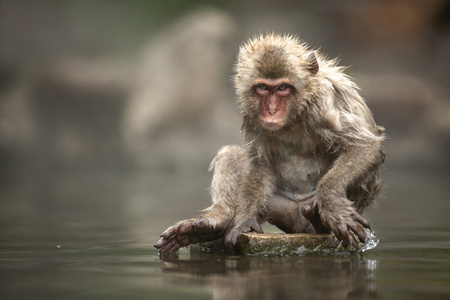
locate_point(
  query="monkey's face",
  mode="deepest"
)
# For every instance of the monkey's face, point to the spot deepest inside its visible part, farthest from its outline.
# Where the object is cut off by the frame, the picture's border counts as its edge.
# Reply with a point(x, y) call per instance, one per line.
point(273, 79)
point(273, 98)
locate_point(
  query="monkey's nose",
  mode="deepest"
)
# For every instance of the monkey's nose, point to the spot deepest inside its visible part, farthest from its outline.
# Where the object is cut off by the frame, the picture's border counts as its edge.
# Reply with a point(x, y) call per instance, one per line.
point(271, 109)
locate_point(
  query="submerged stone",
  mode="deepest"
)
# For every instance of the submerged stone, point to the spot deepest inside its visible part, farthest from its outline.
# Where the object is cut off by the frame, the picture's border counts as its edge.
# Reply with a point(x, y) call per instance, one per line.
point(275, 244)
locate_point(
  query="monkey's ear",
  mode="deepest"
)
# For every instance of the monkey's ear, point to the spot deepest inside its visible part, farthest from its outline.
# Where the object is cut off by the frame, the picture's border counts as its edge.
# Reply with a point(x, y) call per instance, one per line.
point(313, 65)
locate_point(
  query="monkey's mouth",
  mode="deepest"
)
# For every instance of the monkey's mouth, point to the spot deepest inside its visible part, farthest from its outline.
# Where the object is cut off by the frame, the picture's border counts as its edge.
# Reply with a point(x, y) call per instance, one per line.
point(273, 120)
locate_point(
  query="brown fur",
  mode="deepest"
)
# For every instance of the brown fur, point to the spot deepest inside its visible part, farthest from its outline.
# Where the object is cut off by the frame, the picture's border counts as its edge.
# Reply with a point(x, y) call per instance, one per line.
point(321, 163)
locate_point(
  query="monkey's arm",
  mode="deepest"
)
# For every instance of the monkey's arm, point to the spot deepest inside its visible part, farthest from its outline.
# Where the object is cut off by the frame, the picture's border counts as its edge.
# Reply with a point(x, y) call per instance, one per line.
point(336, 211)
point(255, 188)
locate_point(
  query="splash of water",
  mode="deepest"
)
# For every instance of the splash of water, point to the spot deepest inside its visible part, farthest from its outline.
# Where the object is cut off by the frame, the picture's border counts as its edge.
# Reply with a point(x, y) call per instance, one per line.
point(371, 241)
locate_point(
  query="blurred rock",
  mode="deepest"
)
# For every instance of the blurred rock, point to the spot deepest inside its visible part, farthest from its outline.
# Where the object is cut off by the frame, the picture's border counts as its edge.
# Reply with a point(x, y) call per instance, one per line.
point(17, 128)
point(77, 120)
point(393, 22)
point(172, 105)
point(415, 114)
point(105, 75)
point(180, 101)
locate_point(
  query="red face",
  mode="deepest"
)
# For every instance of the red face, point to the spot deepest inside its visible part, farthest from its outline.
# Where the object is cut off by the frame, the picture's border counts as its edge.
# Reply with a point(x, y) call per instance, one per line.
point(273, 97)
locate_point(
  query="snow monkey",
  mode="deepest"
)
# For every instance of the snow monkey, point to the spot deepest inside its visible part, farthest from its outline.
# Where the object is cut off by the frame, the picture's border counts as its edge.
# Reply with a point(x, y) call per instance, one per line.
point(311, 155)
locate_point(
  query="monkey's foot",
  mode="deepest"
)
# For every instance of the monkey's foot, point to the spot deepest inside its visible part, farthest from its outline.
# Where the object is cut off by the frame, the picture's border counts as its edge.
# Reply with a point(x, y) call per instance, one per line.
point(231, 237)
point(346, 224)
point(311, 212)
point(349, 228)
point(190, 232)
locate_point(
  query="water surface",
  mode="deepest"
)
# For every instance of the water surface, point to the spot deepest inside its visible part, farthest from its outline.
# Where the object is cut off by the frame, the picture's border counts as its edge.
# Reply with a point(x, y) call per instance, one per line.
point(90, 236)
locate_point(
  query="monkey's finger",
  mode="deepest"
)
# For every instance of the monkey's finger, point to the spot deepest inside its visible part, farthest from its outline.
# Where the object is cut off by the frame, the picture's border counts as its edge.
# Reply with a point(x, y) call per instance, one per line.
point(161, 243)
point(175, 245)
point(337, 234)
point(341, 239)
point(230, 241)
point(308, 212)
point(347, 237)
point(170, 232)
point(168, 247)
point(174, 249)
point(256, 228)
point(359, 231)
point(362, 221)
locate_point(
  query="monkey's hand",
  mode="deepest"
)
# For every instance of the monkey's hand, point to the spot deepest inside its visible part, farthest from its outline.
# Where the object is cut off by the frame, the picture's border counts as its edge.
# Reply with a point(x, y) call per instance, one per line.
point(189, 232)
point(231, 237)
point(339, 216)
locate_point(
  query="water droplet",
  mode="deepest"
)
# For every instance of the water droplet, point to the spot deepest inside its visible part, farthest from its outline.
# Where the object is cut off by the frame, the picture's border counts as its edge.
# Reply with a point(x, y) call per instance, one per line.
point(371, 241)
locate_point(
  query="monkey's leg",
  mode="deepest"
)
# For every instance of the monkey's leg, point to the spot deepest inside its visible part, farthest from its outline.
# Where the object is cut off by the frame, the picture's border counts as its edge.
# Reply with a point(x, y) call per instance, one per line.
point(289, 215)
point(362, 194)
point(228, 165)
point(346, 189)
point(365, 190)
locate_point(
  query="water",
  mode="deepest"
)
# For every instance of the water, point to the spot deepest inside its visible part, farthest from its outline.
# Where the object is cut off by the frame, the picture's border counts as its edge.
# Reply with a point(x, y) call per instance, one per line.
point(371, 241)
point(90, 236)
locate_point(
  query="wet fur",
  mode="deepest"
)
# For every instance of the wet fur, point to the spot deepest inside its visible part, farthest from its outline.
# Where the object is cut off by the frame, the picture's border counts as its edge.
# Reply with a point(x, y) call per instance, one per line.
point(329, 125)
point(329, 147)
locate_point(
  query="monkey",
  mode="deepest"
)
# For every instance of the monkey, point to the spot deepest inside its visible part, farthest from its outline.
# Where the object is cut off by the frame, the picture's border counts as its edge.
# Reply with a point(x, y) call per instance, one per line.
point(311, 156)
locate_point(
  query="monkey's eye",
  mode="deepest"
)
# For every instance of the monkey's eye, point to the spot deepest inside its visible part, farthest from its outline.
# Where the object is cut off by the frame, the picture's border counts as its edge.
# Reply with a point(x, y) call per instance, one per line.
point(263, 87)
point(282, 87)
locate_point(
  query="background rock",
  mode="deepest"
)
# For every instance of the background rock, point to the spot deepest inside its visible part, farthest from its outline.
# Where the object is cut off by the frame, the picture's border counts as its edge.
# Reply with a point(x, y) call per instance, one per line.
point(180, 98)
point(82, 92)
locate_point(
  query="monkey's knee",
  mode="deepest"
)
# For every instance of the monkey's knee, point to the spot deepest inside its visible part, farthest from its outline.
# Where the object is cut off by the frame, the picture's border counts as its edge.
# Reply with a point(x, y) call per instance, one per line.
point(228, 156)
point(229, 166)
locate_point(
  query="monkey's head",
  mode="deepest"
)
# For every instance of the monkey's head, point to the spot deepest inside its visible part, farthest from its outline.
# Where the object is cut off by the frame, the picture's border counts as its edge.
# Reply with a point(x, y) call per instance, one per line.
point(273, 78)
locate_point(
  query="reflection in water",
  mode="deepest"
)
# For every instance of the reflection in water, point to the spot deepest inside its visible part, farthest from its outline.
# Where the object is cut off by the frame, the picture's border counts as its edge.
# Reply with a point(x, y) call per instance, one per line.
point(106, 224)
point(245, 277)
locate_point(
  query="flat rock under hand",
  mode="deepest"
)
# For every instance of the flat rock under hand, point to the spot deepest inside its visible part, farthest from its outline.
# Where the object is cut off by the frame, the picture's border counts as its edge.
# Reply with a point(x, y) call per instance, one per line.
point(274, 244)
